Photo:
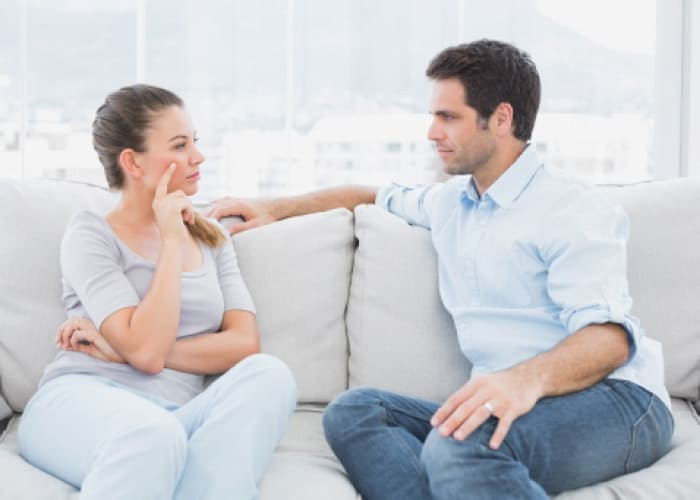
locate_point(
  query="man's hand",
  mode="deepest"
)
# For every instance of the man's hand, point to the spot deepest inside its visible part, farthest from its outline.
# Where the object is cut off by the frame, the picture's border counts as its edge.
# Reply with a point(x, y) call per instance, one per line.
point(255, 212)
point(506, 395)
point(80, 334)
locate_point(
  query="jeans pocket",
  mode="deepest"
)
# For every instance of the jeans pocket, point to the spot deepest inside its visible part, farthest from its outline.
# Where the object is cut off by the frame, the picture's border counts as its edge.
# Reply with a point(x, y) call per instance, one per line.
point(651, 436)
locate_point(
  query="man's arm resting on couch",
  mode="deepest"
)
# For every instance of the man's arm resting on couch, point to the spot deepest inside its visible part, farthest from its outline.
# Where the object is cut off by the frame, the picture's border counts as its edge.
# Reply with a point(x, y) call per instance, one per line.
point(577, 362)
point(260, 212)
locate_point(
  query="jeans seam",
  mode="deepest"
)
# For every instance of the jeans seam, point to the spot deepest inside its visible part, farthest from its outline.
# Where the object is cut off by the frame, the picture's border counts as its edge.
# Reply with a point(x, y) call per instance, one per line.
point(635, 427)
point(404, 446)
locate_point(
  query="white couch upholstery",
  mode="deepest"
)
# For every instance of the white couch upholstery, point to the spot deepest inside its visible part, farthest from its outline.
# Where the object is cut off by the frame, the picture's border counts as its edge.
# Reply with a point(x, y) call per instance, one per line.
point(343, 315)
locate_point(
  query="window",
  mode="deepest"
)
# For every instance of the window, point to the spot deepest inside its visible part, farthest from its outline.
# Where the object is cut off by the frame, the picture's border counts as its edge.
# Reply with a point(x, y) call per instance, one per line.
point(288, 95)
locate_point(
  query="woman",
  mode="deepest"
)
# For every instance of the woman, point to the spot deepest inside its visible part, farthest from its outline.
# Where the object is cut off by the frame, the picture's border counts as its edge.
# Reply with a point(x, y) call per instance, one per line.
point(122, 411)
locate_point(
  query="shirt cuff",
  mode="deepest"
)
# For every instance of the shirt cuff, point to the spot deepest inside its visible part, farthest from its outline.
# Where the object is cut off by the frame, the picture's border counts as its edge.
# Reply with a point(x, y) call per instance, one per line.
point(598, 315)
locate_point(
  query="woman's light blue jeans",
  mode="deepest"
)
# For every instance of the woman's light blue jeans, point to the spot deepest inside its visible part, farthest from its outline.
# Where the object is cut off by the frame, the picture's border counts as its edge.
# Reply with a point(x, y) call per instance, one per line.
point(390, 450)
point(112, 442)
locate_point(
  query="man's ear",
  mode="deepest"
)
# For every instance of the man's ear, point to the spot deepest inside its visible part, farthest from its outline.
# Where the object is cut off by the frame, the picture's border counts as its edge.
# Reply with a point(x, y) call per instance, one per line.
point(129, 162)
point(502, 119)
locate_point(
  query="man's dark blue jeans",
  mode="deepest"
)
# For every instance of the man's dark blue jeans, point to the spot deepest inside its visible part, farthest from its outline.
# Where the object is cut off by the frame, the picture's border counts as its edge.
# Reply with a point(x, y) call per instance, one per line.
point(390, 451)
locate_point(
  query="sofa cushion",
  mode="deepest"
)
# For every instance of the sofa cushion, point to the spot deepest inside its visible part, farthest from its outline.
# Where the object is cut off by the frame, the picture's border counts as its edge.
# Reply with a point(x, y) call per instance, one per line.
point(662, 271)
point(664, 274)
point(300, 292)
point(35, 214)
point(298, 273)
point(303, 467)
point(5, 410)
point(673, 476)
point(400, 336)
point(22, 481)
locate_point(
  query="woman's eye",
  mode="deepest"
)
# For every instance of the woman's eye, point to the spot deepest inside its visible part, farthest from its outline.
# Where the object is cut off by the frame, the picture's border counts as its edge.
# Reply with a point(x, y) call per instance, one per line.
point(180, 146)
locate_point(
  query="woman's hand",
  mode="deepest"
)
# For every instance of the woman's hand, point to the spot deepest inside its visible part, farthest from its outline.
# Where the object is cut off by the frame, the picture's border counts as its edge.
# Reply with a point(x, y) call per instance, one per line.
point(80, 335)
point(172, 210)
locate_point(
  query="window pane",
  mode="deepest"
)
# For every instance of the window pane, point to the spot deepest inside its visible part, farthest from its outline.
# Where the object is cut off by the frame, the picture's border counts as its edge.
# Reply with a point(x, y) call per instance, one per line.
point(596, 115)
point(78, 51)
point(227, 61)
point(361, 95)
point(10, 89)
point(289, 95)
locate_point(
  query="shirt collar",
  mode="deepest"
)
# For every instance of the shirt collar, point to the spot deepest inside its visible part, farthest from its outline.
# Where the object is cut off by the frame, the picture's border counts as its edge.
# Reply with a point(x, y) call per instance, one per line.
point(515, 179)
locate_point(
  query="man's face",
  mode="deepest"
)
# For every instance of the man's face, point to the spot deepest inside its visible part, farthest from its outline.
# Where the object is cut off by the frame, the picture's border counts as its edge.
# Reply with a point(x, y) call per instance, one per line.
point(463, 141)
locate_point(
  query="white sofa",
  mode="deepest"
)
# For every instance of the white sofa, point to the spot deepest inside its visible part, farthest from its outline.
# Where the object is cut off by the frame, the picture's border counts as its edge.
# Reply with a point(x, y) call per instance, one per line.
point(349, 301)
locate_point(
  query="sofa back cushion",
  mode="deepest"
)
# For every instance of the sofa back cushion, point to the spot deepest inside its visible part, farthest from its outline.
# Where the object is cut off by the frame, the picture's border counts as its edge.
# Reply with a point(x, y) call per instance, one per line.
point(664, 272)
point(34, 216)
point(402, 339)
point(298, 273)
point(400, 336)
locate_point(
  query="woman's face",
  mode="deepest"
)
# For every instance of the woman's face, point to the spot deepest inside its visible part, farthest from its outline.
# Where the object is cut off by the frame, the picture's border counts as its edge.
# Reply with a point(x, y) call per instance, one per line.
point(171, 139)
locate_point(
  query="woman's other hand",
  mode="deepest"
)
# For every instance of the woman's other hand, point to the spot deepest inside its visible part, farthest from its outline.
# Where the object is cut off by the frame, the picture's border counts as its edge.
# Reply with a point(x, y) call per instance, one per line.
point(80, 335)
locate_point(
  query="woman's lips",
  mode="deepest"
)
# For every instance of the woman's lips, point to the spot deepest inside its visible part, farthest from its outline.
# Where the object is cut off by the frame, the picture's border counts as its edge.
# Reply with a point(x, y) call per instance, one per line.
point(193, 177)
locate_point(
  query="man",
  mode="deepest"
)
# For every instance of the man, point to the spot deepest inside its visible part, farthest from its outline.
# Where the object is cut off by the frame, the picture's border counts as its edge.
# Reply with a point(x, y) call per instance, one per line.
point(565, 389)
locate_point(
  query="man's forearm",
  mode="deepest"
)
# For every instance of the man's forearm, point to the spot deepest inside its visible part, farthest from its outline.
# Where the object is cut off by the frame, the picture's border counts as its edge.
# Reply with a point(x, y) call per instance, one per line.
point(318, 201)
point(579, 361)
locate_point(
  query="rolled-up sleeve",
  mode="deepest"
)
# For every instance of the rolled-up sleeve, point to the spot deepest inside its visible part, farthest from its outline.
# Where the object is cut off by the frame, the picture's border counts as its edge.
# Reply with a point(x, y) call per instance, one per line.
point(413, 204)
point(587, 267)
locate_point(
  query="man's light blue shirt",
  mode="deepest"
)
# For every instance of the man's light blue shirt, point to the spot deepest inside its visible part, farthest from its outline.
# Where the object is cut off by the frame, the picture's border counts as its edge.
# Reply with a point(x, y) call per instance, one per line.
point(538, 257)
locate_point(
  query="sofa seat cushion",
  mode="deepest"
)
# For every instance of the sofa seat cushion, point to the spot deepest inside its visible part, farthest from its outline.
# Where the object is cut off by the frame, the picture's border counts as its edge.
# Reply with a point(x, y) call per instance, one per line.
point(303, 467)
point(674, 476)
point(21, 481)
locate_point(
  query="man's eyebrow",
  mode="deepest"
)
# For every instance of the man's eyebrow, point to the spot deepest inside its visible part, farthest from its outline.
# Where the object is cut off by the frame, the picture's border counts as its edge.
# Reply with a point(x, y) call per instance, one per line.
point(442, 113)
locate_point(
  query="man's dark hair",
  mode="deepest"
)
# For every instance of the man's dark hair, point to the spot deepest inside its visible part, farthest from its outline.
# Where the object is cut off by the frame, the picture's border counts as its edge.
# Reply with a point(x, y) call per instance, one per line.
point(493, 72)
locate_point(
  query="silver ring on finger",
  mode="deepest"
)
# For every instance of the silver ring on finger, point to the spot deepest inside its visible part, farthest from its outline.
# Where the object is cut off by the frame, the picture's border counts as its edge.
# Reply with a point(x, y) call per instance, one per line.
point(489, 407)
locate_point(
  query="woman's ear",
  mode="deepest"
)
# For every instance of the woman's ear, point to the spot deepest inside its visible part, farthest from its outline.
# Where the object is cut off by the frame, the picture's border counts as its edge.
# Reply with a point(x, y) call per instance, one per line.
point(129, 162)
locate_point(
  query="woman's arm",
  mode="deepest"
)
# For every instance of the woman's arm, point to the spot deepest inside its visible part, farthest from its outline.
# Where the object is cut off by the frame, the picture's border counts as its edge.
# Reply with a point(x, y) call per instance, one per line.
point(204, 354)
point(211, 353)
point(145, 334)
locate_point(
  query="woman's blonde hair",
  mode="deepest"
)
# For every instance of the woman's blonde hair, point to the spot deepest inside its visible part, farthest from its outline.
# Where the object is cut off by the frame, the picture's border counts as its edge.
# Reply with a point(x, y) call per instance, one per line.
point(121, 123)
